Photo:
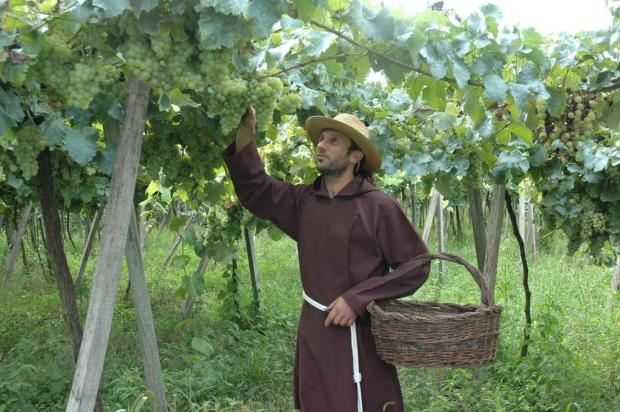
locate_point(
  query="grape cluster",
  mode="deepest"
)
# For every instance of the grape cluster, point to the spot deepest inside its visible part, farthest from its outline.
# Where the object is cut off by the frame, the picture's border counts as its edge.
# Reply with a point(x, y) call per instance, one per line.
point(289, 103)
point(215, 65)
point(54, 65)
point(592, 223)
point(230, 98)
point(184, 151)
point(586, 223)
point(163, 62)
point(264, 96)
point(576, 123)
point(71, 79)
point(26, 148)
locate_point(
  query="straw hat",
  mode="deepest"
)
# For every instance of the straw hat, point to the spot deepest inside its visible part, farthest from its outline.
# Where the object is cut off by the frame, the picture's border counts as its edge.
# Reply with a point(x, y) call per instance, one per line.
point(351, 126)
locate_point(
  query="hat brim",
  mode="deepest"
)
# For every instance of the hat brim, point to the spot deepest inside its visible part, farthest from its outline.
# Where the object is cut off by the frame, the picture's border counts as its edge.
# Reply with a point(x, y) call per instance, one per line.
point(316, 124)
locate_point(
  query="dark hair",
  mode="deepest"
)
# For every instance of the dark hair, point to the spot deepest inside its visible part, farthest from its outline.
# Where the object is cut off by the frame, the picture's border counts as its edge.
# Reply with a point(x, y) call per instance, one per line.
point(359, 170)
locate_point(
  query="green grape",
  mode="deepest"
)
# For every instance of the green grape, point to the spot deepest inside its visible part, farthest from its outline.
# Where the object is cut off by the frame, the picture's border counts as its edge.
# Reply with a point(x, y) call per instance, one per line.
point(229, 101)
point(264, 96)
point(26, 149)
point(289, 103)
point(214, 65)
point(85, 79)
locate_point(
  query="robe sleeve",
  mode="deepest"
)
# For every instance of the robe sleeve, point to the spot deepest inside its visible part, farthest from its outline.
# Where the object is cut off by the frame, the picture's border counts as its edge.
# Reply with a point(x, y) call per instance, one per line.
point(265, 196)
point(399, 243)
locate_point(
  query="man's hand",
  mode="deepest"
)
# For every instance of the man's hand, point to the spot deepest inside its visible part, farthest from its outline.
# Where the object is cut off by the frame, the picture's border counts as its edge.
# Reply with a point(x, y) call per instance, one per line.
point(340, 313)
point(247, 129)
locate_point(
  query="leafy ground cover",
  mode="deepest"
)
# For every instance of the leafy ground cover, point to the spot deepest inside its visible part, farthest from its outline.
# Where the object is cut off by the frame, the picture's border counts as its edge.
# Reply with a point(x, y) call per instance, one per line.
point(213, 362)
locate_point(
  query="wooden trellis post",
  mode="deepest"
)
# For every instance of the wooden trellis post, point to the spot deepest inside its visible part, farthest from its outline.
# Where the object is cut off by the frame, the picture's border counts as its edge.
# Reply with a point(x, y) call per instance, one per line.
point(477, 221)
point(435, 206)
point(16, 244)
point(493, 238)
point(249, 244)
point(98, 323)
point(144, 314)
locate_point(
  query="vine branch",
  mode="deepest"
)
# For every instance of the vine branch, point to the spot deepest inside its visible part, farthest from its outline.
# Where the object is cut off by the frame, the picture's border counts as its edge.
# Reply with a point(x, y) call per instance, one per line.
point(385, 56)
point(306, 63)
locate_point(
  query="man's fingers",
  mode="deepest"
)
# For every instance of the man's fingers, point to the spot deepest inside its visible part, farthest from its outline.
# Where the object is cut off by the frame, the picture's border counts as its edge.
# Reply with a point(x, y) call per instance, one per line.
point(329, 319)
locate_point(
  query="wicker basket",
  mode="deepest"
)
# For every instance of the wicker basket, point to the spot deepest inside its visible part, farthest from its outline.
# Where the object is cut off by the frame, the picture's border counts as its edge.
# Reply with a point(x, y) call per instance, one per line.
point(410, 333)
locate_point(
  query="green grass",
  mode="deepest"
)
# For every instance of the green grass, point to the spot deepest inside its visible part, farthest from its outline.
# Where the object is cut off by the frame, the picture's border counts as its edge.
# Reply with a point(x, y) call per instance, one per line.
point(215, 365)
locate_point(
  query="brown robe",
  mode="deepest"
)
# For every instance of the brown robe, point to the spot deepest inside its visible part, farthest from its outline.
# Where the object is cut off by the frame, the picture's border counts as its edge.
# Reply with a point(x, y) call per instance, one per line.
point(347, 246)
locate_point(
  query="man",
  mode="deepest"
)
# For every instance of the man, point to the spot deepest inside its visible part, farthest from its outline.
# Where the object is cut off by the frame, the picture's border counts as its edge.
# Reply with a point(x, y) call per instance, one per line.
point(349, 236)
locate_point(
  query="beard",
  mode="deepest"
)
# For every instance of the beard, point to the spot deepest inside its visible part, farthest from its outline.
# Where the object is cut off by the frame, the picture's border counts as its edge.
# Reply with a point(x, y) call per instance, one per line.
point(332, 166)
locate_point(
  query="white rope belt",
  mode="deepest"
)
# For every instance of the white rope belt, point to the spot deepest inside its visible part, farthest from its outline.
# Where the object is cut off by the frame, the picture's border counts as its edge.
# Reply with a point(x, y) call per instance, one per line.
point(357, 376)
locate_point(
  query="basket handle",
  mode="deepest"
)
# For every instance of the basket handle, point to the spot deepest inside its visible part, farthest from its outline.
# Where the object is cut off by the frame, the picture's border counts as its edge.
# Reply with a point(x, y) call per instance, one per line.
point(473, 270)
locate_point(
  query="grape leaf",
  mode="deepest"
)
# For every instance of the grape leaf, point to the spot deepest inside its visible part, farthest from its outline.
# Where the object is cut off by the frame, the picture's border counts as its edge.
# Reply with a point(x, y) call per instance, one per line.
point(53, 131)
point(379, 27)
point(32, 42)
point(461, 72)
point(232, 7)
point(306, 10)
point(5, 122)
point(521, 95)
point(264, 14)
point(81, 144)
point(613, 117)
point(444, 120)
point(520, 130)
point(175, 98)
point(512, 160)
point(556, 101)
point(139, 6)
point(222, 30)
point(10, 106)
point(436, 62)
point(278, 53)
point(435, 95)
point(112, 8)
point(316, 42)
point(495, 87)
point(473, 106)
point(106, 161)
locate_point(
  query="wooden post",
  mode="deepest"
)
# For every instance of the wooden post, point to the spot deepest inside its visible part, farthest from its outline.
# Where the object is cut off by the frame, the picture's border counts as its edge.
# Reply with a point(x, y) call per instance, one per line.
point(532, 232)
point(442, 230)
point(144, 314)
point(615, 279)
point(249, 245)
point(98, 324)
point(412, 200)
point(477, 221)
point(522, 213)
point(17, 242)
point(90, 241)
point(430, 213)
point(494, 236)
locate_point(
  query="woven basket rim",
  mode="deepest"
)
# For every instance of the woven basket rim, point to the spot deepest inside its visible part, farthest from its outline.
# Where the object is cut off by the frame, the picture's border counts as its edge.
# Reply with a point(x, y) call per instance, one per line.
point(441, 335)
point(375, 309)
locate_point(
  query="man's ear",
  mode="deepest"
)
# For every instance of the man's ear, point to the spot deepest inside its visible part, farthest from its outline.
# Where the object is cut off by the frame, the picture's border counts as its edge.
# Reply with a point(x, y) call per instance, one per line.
point(357, 156)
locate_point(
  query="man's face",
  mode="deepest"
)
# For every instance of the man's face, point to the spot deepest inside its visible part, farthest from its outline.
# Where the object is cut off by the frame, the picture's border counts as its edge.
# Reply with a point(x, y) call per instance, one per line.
point(332, 152)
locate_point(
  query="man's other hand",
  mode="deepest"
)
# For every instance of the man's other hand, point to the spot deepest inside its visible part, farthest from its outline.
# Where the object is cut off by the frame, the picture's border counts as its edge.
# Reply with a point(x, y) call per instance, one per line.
point(247, 129)
point(340, 313)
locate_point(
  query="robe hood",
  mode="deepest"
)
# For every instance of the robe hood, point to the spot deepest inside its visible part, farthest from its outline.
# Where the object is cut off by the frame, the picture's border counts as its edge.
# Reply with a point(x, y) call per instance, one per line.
point(357, 186)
